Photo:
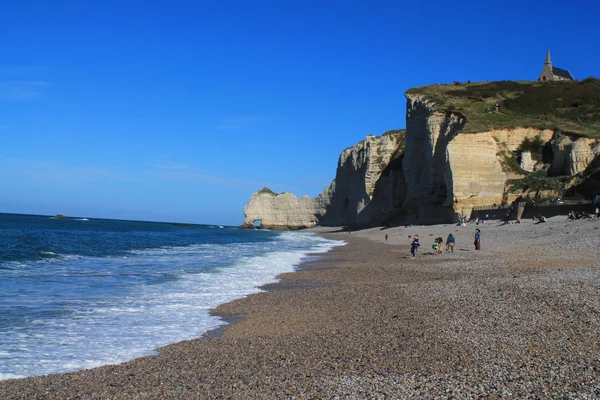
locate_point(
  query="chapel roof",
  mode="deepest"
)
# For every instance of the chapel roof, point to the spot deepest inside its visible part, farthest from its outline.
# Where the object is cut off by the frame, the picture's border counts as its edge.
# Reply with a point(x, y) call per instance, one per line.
point(563, 73)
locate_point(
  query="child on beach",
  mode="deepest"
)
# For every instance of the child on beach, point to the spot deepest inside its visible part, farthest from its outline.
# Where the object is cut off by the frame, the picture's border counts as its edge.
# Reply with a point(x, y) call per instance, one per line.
point(450, 241)
point(440, 243)
point(436, 247)
point(414, 246)
point(477, 241)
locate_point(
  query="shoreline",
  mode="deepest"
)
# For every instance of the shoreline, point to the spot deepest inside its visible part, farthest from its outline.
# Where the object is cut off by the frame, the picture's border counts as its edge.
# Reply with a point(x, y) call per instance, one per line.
point(282, 284)
point(210, 325)
point(518, 318)
point(227, 319)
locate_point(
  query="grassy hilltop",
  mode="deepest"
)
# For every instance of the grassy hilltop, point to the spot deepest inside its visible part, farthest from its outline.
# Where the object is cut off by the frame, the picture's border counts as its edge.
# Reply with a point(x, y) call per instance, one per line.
point(571, 106)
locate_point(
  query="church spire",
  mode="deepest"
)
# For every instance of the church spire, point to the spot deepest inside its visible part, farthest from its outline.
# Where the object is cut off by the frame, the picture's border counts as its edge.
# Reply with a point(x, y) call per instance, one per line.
point(548, 57)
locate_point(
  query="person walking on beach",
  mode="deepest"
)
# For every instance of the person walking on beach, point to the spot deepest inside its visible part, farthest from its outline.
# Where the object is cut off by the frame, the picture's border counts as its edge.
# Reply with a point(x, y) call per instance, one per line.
point(414, 246)
point(386, 236)
point(477, 242)
point(450, 241)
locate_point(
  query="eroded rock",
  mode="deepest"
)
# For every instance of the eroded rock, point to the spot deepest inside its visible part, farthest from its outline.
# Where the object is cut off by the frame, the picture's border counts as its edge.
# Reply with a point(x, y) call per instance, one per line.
point(431, 173)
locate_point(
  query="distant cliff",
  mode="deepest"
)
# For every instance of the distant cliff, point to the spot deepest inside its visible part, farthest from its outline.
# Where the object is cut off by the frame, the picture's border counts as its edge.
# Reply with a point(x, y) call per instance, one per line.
point(344, 202)
point(281, 211)
point(360, 168)
point(458, 151)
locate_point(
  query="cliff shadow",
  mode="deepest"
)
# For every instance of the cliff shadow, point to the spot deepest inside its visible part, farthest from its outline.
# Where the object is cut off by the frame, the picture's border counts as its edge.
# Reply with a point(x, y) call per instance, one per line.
point(430, 195)
point(388, 195)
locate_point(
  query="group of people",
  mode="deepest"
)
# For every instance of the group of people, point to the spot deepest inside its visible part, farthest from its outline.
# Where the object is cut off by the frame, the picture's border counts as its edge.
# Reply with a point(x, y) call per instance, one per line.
point(573, 215)
point(438, 244)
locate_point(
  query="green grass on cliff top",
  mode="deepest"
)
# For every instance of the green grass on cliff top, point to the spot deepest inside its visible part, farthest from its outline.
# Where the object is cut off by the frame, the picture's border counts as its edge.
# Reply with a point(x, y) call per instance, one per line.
point(571, 106)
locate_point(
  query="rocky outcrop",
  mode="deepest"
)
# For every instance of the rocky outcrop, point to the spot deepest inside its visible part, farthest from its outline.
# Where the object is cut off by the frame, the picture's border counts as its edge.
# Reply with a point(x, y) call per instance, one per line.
point(572, 155)
point(280, 211)
point(474, 175)
point(527, 163)
point(344, 202)
point(430, 173)
point(481, 163)
point(425, 163)
point(512, 139)
point(359, 169)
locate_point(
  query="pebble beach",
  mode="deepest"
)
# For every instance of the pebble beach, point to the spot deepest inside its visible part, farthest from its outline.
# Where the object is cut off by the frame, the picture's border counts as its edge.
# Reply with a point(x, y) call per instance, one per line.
point(519, 318)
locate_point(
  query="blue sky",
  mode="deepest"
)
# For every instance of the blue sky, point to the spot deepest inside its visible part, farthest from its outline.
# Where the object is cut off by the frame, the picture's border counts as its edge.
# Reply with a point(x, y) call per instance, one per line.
point(180, 110)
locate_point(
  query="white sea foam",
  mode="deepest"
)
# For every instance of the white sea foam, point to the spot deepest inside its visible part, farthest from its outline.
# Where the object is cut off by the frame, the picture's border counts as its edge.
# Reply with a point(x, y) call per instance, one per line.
point(10, 376)
point(118, 328)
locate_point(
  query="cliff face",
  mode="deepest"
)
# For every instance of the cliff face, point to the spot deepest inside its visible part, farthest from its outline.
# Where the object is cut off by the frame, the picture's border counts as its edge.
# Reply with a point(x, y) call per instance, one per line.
point(359, 169)
point(344, 202)
point(431, 173)
point(280, 211)
point(477, 165)
point(426, 163)
point(572, 155)
point(474, 173)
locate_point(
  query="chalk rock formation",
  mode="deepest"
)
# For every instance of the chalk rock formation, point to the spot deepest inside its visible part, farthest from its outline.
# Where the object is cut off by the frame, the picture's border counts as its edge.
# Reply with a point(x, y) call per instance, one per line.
point(511, 139)
point(425, 164)
point(280, 211)
point(474, 174)
point(344, 202)
point(432, 172)
point(448, 171)
point(572, 155)
point(359, 168)
point(527, 162)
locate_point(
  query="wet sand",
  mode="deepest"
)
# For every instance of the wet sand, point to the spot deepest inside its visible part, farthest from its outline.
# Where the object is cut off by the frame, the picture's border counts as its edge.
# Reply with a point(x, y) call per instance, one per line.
point(520, 318)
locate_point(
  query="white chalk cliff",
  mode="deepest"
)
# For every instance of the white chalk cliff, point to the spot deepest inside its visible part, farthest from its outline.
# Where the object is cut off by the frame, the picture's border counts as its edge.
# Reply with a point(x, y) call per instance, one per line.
point(431, 172)
point(280, 211)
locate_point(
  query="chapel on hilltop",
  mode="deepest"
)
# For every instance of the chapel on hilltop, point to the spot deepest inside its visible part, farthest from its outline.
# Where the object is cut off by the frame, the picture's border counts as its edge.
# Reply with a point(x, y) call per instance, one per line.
point(550, 73)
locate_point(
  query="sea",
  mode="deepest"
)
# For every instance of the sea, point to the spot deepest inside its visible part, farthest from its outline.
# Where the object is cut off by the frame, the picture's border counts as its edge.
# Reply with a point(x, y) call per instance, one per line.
point(78, 293)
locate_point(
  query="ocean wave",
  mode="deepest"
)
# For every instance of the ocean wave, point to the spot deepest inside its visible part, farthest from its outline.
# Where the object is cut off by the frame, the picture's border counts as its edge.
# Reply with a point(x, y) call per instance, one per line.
point(123, 307)
point(12, 266)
